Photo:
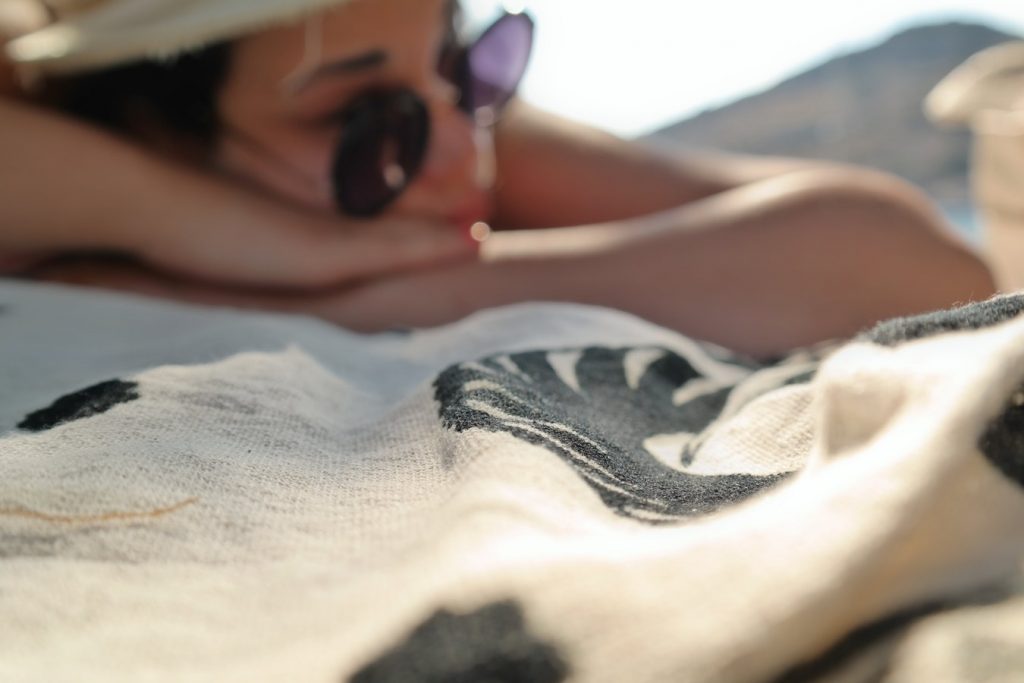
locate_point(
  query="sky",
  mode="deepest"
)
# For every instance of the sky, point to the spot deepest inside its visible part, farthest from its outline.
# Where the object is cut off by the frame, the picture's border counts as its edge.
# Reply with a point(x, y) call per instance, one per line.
point(632, 66)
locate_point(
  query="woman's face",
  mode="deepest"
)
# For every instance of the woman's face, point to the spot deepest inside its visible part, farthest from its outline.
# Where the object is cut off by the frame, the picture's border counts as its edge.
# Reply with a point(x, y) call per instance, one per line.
point(287, 86)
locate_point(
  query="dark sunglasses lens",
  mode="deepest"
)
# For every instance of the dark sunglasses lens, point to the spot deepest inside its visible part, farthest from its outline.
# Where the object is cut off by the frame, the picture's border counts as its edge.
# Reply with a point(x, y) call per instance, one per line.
point(383, 142)
point(495, 63)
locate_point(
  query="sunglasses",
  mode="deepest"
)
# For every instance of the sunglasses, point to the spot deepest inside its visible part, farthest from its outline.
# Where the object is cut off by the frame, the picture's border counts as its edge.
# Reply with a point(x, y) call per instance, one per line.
point(385, 132)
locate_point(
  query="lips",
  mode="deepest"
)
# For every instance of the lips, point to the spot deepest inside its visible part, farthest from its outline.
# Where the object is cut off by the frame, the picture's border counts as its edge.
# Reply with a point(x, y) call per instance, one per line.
point(470, 212)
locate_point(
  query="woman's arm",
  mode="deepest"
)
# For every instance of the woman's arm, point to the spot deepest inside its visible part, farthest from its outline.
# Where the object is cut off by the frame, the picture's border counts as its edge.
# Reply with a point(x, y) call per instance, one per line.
point(780, 263)
point(65, 187)
point(554, 172)
point(760, 257)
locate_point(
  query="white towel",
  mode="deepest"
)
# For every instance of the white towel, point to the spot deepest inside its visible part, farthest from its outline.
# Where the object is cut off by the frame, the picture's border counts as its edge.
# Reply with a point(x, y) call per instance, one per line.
point(539, 493)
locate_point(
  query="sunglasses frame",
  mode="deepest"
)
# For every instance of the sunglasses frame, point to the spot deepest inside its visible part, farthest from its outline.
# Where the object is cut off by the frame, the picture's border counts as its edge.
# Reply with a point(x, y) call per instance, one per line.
point(463, 73)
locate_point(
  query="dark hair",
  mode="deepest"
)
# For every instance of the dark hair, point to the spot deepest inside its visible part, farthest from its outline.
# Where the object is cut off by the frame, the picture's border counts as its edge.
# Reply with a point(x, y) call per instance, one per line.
point(178, 95)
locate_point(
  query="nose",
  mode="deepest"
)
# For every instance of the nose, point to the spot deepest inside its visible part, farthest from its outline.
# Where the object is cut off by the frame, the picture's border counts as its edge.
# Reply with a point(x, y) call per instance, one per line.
point(452, 151)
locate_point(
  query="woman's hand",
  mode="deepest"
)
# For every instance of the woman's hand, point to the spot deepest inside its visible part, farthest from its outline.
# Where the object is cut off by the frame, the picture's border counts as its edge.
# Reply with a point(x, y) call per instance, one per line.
point(514, 267)
point(67, 188)
point(234, 238)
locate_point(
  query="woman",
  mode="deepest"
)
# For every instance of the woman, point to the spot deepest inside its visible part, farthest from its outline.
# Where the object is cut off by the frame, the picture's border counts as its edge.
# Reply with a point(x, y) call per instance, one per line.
point(757, 254)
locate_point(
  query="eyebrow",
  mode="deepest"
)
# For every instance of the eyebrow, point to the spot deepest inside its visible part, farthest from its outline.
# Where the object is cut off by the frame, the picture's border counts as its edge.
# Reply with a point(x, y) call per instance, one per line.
point(365, 61)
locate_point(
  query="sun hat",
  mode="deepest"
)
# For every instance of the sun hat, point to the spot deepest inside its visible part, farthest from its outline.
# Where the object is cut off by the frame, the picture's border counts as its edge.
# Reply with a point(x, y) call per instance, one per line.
point(992, 79)
point(91, 34)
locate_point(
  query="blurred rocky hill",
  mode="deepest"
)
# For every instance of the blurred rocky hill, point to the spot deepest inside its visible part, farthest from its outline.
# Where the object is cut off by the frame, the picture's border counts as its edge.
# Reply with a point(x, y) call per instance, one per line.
point(863, 107)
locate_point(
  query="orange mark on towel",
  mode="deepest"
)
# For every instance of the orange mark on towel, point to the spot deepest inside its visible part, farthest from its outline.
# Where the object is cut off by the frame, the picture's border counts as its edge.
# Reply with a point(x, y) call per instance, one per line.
point(92, 519)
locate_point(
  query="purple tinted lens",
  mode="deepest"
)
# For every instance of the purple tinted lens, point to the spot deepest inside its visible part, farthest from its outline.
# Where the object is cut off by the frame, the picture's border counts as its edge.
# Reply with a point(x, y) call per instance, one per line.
point(496, 62)
point(381, 149)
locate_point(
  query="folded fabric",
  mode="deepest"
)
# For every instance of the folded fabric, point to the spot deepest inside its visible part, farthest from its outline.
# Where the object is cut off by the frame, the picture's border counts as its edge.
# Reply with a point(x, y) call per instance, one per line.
point(539, 493)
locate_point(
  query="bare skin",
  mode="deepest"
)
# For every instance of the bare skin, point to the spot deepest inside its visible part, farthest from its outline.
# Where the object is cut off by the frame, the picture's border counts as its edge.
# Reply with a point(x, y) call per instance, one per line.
point(757, 254)
point(121, 198)
point(879, 254)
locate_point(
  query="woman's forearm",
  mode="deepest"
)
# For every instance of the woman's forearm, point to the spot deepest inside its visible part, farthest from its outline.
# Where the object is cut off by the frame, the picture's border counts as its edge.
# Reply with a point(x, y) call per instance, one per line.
point(787, 262)
point(66, 187)
point(57, 179)
point(790, 262)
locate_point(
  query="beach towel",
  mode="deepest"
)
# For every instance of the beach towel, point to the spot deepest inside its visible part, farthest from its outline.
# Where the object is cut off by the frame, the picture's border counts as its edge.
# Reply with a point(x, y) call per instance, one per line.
point(538, 493)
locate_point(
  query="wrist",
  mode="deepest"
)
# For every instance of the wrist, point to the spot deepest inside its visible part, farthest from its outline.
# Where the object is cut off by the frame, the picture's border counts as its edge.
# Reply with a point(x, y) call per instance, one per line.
point(572, 278)
point(147, 205)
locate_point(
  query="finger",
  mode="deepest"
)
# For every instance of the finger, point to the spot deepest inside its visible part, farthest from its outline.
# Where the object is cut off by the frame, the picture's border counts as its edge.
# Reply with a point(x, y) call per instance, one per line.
point(253, 241)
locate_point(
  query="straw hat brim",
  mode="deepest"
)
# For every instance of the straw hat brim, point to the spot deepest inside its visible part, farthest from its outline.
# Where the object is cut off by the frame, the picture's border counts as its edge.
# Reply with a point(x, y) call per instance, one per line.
point(122, 31)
